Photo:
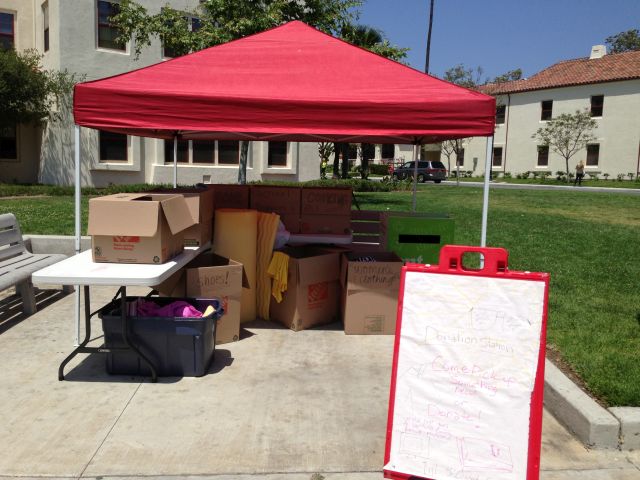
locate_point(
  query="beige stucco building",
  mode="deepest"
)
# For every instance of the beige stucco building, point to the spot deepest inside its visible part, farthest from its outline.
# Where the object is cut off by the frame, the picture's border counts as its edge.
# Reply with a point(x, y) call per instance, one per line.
point(75, 35)
point(608, 86)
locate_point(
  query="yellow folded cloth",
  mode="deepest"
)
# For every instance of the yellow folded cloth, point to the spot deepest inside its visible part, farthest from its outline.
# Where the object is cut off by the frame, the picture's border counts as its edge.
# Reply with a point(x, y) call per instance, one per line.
point(279, 270)
point(267, 228)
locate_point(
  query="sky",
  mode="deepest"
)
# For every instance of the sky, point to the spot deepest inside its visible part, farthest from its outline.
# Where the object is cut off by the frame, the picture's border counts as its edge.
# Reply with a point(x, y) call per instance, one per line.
point(499, 35)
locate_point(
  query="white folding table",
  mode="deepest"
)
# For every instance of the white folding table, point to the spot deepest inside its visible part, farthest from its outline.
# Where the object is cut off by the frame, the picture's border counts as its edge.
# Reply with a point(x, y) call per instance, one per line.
point(82, 270)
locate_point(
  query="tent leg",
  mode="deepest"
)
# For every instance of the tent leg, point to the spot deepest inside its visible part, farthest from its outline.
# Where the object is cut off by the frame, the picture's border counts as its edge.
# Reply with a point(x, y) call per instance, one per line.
point(416, 149)
point(485, 199)
point(78, 215)
point(175, 161)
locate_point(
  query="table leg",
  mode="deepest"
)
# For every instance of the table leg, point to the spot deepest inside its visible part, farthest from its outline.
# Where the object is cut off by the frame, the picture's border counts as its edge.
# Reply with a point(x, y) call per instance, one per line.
point(87, 333)
point(125, 334)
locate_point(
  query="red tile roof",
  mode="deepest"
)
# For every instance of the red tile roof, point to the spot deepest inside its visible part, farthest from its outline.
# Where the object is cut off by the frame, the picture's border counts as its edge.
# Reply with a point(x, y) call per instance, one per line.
point(580, 71)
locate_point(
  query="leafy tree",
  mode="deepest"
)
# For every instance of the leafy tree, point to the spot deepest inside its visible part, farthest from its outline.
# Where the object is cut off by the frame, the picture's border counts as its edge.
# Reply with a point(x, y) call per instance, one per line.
point(465, 77)
point(29, 93)
point(624, 41)
point(567, 134)
point(220, 21)
point(508, 76)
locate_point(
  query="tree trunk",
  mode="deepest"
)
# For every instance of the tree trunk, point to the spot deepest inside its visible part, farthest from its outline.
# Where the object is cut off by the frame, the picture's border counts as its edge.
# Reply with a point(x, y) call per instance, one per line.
point(242, 170)
point(345, 161)
point(566, 161)
point(336, 160)
point(364, 167)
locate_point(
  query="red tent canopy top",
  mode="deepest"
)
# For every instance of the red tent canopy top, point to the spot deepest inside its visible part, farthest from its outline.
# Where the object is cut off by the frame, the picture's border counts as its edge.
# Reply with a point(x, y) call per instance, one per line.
point(290, 83)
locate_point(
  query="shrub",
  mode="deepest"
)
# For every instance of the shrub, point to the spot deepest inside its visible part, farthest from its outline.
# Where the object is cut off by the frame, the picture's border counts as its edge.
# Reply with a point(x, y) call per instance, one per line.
point(606, 176)
point(620, 177)
point(378, 169)
point(631, 175)
point(507, 174)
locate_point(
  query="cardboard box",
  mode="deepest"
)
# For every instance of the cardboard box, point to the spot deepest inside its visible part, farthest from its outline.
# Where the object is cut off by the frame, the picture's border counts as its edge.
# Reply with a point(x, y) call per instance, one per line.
point(230, 196)
point(200, 203)
point(291, 222)
point(334, 224)
point(138, 227)
point(212, 276)
point(370, 292)
point(326, 201)
point(313, 293)
point(277, 199)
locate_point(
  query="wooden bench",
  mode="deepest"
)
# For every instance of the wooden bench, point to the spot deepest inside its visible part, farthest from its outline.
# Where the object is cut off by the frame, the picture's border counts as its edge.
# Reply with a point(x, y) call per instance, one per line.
point(367, 229)
point(17, 264)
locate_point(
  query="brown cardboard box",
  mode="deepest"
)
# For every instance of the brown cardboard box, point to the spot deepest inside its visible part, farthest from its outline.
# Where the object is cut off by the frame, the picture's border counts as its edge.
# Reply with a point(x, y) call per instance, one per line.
point(138, 227)
point(326, 201)
point(277, 199)
point(291, 222)
point(230, 196)
point(313, 293)
point(200, 203)
point(213, 276)
point(333, 224)
point(370, 292)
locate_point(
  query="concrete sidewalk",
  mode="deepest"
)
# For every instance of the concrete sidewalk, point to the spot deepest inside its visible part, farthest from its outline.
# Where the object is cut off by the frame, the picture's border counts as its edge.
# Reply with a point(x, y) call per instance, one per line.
point(275, 405)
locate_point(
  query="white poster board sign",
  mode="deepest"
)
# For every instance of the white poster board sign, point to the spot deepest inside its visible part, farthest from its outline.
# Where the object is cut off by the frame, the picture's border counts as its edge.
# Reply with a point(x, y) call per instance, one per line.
point(465, 369)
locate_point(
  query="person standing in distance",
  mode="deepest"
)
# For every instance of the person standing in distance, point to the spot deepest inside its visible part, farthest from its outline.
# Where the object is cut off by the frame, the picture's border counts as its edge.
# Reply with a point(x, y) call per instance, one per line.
point(579, 174)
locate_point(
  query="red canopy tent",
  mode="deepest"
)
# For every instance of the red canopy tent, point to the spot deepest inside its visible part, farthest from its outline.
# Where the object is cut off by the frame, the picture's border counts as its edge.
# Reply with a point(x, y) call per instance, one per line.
point(290, 83)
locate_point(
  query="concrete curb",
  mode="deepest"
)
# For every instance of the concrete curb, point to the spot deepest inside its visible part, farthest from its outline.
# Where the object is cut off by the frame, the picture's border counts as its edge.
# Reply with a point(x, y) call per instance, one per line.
point(593, 425)
point(589, 422)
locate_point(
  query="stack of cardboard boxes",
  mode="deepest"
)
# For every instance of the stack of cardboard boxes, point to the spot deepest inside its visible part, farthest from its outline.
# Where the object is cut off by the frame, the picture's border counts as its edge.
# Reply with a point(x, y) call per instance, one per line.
point(324, 284)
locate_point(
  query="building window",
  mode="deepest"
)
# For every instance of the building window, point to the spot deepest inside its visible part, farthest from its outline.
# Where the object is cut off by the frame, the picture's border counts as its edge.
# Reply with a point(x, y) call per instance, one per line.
point(182, 153)
point(203, 151)
point(501, 111)
point(543, 156)
point(193, 25)
point(277, 156)
point(497, 157)
point(593, 154)
point(546, 110)
point(45, 25)
point(228, 152)
point(388, 150)
point(113, 147)
point(107, 33)
point(597, 105)
point(8, 143)
point(7, 32)
point(460, 158)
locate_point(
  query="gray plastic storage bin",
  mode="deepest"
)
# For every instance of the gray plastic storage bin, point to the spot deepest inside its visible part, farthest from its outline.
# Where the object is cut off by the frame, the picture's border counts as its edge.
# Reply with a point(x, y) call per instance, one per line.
point(176, 346)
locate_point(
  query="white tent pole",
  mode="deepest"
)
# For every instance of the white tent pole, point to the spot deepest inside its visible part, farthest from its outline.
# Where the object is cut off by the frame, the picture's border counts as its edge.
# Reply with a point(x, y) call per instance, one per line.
point(415, 174)
point(78, 215)
point(485, 200)
point(175, 161)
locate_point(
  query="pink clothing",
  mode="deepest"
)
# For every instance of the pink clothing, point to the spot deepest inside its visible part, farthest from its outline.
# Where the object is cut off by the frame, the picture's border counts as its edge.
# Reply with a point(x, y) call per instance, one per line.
point(179, 308)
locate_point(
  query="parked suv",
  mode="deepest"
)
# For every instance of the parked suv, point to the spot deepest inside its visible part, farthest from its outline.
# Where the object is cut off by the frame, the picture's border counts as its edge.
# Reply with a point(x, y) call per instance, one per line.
point(427, 170)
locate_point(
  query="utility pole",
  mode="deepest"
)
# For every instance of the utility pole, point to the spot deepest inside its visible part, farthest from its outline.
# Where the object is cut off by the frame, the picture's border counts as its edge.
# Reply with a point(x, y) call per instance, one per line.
point(426, 65)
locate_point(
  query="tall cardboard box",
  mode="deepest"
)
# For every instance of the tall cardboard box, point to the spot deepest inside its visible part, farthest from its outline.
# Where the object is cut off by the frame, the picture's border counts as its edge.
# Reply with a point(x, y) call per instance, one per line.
point(326, 210)
point(313, 294)
point(138, 227)
point(370, 292)
point(200, 203)
point(326, 201)
point(230, 196)
point(283, 200)
point(214, 276)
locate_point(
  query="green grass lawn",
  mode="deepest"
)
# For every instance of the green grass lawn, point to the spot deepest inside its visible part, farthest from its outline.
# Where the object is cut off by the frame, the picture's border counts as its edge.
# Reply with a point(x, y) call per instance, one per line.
point(588, 242)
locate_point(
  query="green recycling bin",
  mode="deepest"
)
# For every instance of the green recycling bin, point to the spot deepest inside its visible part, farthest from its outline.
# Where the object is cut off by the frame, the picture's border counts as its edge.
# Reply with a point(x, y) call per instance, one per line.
point(417, 237)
